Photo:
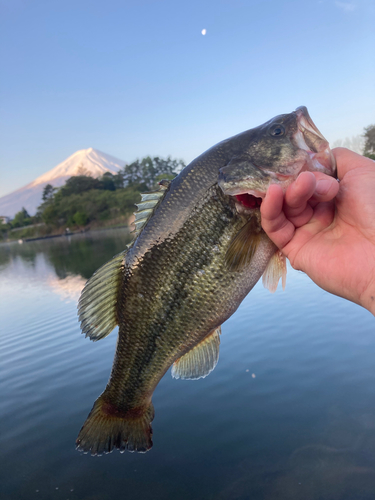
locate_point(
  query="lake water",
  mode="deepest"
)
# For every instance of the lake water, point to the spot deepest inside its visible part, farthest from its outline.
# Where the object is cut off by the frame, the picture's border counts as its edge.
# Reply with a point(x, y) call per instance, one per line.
point(288, 413)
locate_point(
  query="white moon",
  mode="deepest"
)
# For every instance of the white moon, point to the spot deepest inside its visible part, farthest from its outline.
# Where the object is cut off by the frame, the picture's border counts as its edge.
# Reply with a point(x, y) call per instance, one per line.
point(204, 32)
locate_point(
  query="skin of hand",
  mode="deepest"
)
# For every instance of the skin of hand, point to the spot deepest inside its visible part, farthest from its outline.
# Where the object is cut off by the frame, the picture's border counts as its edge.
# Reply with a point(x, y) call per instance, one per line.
point(327, 228)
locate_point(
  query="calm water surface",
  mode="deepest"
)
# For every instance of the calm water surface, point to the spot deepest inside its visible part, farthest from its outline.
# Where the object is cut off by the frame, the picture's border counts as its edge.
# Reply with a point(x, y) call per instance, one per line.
point(288, 413)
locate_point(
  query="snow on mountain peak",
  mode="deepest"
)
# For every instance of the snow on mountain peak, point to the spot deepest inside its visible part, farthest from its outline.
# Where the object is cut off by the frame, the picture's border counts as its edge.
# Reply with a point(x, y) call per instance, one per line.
point(83, 162)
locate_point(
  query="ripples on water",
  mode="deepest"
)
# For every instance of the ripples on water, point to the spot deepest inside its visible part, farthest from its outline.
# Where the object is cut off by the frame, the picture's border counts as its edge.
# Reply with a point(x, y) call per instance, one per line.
point(288, 413)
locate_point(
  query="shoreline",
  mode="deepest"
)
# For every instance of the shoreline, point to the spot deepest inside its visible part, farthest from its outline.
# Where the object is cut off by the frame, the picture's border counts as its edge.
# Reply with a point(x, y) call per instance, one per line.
point(72, 233)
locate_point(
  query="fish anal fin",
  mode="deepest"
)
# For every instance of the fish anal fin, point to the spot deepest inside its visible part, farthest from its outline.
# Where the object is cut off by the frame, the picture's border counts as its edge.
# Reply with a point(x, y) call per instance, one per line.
point(97, 304)
point(199, 361)
point(276, 269)
point(243, 246)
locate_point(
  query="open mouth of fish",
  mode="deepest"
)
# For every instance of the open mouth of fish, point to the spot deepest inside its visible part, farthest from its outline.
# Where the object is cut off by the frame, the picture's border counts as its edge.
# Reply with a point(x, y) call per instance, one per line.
point(311, 140)
point(314, 155)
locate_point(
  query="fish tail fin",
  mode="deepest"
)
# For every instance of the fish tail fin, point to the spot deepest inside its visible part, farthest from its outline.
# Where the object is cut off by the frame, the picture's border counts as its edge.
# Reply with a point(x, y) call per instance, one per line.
point(107, 428)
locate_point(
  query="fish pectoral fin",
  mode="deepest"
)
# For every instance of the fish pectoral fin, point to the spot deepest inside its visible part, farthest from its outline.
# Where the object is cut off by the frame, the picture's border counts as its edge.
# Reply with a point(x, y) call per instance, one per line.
point(97, 304)
point(201, 360)
point(243, 247)
point(276, 269)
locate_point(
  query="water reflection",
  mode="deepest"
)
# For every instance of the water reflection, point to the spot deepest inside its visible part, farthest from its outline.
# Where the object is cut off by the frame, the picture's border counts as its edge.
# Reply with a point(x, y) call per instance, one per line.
point(68, 288)
point(339, 466)
point(65, 263)
point(302, 429)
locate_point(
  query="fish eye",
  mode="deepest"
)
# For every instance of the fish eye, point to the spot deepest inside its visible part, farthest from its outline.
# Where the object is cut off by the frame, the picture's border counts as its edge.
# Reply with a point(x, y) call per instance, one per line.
point(277, 130)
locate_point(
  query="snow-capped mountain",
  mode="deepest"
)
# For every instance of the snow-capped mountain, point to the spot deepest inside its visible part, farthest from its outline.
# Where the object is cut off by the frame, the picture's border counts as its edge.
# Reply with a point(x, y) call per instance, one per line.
point(84, 162)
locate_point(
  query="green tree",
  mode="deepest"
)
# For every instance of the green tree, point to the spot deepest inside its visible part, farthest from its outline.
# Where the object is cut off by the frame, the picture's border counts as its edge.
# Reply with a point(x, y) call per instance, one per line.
point(145, 172)
point(49, 214)
point(107, 182)
point(22, 218)
point(133, 173)
point(83, 199)
point(80, 218)
point(369, 148)
point(118, 180)
point(48, 192)
point(78, 184)
point(3, 229)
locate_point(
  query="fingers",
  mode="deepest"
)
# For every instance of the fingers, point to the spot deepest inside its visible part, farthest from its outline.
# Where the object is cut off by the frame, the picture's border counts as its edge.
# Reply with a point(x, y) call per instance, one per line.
point(279, 229)
point(348, 160)
point(296, 206)
point(309, 189)
point(321, 219)
point(282, 216)
point(325, 190)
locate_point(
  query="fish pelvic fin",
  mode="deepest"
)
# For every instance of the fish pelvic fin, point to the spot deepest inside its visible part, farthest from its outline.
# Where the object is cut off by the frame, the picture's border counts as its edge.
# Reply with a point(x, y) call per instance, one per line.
point(276, 269)
point(201, 360)
point(107, 428)
point(97, 304)
point(243, 247)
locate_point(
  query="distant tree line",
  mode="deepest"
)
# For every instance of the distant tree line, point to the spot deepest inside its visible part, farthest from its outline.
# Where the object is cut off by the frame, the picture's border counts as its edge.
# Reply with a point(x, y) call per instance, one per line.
point(22, 218)
point(84, 199)
point(369, 147)
point(363, 144)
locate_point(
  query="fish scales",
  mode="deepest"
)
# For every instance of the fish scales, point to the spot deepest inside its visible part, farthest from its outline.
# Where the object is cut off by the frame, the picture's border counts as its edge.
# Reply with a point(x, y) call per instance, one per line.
point(175, 285)
point(198, 252)
point(188, 190)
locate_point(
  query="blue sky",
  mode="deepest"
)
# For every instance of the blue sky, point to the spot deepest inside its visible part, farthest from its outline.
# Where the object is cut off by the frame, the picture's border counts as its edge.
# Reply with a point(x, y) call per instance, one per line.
point(132, 78)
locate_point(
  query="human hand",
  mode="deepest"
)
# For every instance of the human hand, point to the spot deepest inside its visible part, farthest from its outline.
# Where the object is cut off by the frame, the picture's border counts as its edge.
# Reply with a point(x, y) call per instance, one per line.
point(327, 229)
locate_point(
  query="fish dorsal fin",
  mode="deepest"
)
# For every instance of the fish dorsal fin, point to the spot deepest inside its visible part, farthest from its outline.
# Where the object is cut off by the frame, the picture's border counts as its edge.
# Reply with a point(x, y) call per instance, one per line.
point(148, 204)
point(276, 269)
point(97, 304)
point(242, 248)
point(201, 360)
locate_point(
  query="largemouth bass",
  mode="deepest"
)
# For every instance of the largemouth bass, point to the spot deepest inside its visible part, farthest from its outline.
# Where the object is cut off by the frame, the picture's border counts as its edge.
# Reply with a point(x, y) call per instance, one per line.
point(199, 249)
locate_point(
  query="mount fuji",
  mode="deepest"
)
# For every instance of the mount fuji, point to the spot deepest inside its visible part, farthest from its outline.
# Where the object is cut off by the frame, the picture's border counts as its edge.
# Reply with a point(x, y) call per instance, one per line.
point(84, 162)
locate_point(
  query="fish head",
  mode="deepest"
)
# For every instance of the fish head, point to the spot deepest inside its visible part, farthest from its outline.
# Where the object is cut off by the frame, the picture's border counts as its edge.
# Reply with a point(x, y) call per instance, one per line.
point(275, 153)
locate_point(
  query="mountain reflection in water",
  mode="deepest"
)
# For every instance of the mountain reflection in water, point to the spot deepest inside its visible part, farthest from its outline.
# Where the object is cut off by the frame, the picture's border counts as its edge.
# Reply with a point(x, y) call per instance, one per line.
point(302, 428)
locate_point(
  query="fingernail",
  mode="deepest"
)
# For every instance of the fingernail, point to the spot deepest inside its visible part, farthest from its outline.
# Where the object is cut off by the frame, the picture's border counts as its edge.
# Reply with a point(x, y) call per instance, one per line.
point(322, 186)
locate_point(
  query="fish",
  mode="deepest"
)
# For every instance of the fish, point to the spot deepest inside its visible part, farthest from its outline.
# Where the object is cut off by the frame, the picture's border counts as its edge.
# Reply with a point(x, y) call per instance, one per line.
point(198, 250)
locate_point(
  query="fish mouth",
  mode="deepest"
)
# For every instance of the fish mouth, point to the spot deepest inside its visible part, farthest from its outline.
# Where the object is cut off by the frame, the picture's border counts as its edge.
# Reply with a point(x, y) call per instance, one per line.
point(246, 202)
point(310, 139)
point(314, 154)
